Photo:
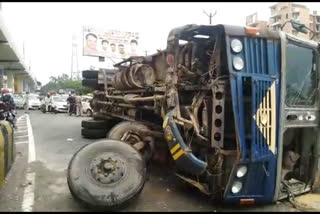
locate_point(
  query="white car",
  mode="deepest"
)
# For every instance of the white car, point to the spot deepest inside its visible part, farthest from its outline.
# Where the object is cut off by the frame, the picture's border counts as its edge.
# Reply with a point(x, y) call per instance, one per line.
point(34, 102)
point(60, 104)
point(86, 109)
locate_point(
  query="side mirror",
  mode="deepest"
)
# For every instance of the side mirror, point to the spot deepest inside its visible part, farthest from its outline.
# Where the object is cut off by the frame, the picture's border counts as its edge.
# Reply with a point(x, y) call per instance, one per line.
point(299, 27)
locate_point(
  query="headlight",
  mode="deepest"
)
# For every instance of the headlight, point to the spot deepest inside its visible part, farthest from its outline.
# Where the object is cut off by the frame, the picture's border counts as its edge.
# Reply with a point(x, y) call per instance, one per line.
point(238, 63)
point(236, 45)
point(236, 187)
point(242, 171)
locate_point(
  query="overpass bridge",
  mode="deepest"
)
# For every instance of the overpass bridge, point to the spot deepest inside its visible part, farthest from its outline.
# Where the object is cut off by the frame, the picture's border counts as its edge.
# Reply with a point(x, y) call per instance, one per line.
point(14, 73)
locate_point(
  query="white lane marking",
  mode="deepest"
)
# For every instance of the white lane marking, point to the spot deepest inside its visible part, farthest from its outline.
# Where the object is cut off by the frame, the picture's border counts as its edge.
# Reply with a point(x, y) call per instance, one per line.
point(22, 142)
point(25, 131)
point(28, 195)
point(21, 136)
point(32, 150)
point(24, 126)
point(21, 117)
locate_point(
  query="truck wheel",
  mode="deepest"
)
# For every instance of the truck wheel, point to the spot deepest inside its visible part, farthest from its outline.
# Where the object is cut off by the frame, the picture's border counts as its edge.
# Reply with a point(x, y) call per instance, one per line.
point(106, 174)
point(132, 133)
point(94, 124)
point(93, 133)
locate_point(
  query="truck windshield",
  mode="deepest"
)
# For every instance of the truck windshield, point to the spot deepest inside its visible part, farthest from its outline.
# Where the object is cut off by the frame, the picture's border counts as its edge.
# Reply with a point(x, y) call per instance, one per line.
point(300, 75)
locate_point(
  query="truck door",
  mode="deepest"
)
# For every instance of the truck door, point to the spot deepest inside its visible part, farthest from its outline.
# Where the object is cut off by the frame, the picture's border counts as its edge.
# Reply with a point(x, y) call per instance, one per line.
point(299, 123)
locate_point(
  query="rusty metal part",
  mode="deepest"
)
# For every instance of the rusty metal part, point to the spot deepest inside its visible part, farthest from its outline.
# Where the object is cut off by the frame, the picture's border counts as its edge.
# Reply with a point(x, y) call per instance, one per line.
point(126, 105)
point(136, 76)
point(138, 99)
point(196, 126)
point(108, 168)
point(218, 110)
point(142, 141)
point(201, 186)
point(156, 129)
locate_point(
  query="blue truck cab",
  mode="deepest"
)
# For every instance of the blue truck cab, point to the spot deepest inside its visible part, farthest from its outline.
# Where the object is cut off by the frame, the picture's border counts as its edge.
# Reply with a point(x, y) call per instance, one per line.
point(250, 133)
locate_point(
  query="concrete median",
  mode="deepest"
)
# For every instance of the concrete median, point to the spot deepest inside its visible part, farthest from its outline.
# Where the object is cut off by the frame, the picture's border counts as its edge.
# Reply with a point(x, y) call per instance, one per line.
point(7, 150)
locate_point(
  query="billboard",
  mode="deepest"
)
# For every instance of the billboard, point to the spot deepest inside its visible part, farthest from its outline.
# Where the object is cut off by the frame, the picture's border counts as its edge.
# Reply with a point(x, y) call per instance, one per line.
point(112, 44)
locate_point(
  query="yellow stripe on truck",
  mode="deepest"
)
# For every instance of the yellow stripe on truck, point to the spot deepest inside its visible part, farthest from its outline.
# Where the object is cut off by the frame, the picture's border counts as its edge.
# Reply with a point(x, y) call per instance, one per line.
point(178, 155)
point(175, 148)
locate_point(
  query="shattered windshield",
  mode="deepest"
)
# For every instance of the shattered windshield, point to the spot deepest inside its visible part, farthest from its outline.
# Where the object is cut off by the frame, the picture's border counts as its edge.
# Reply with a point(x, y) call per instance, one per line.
point(301, 81)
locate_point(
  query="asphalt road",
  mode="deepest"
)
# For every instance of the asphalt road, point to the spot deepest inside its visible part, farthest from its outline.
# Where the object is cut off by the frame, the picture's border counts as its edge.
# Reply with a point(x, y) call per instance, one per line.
point(38, 178)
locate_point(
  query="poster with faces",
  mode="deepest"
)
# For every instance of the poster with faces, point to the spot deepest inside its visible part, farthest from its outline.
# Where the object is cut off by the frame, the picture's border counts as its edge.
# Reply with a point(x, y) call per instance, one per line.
point(114, 44)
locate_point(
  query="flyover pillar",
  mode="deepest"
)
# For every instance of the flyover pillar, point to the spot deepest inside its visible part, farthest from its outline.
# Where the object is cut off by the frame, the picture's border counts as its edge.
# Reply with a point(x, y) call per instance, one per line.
point(10, 81)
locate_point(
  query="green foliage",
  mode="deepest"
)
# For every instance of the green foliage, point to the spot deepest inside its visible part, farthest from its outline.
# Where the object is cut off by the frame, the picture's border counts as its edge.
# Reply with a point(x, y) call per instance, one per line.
point(64, 82)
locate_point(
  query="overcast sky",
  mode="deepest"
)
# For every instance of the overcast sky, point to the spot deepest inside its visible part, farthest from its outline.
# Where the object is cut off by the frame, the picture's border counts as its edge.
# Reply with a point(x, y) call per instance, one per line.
point(47, 28)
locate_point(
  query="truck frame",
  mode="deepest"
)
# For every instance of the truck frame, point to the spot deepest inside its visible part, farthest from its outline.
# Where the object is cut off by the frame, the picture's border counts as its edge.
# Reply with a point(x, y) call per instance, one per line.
point(237, 108)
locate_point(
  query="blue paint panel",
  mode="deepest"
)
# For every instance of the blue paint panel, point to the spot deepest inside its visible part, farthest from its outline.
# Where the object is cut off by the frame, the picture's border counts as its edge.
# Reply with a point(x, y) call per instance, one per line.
point(262, 65)
point(241, 117)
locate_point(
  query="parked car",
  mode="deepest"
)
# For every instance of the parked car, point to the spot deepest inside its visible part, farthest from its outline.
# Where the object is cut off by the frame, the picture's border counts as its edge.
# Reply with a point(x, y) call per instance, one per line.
point(34, 101)
point(60, 103)
point(19, 101)
point(86, 108)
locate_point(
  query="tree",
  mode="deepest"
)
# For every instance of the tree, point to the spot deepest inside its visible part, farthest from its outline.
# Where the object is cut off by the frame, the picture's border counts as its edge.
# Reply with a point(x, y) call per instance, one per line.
point(64, 82)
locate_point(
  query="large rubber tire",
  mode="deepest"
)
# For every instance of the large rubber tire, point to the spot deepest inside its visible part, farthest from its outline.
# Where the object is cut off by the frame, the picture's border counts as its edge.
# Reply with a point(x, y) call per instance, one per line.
point(90, 74)
point(94, 124)
point(121, 128)
point(94, 133)
point(82, 178)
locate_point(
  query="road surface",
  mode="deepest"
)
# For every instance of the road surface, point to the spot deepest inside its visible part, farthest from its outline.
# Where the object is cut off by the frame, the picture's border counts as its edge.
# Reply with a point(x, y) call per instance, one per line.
point(38, 179)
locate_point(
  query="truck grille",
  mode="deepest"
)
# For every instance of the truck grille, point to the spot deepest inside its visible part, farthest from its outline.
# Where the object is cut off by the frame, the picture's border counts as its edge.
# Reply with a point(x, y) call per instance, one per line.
point(264, 118)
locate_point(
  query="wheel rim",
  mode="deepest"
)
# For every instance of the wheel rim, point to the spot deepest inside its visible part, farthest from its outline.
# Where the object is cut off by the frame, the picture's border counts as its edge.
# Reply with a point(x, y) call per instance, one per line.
point(108, 168)
point(137, 142)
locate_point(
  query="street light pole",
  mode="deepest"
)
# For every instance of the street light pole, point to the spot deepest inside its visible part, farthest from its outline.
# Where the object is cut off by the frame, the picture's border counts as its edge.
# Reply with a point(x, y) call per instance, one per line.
point(210, 15)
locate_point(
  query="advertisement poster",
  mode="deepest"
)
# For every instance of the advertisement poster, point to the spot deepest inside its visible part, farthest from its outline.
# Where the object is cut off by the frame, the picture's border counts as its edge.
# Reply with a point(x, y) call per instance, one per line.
point(112, 44)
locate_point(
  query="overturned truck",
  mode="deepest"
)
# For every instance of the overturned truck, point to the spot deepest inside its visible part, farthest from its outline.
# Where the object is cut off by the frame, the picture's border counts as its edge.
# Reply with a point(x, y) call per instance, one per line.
point(236, 108)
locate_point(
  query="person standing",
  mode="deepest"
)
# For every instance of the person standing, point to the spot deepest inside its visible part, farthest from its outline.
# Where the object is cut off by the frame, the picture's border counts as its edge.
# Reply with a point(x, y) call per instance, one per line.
point(79, 104)
point(71, 103)
point(26, 105)
point(47, 101)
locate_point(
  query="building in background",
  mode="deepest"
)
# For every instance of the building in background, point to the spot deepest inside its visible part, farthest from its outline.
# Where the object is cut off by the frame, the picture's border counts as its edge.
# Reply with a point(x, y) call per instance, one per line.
point(253, 21)
point(283, 12)
point(286, 11)
point(315, 25)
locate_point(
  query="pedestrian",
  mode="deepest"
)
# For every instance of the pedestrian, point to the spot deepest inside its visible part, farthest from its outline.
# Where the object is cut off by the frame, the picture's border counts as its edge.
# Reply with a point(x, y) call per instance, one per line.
point(79, 104)
point(71, 100)
point(26, 105)
point(47, 101)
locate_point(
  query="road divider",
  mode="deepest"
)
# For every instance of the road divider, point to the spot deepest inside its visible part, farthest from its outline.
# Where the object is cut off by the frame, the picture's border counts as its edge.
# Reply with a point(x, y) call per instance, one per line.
point(7, 150)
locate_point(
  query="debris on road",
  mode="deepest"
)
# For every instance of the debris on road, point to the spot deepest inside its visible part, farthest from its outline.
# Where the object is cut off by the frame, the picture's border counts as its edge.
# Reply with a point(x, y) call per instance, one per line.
point(26, 184)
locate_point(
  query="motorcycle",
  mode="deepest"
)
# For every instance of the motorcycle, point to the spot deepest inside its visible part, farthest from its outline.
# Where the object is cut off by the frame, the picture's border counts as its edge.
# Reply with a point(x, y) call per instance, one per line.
point(8, 114)
point(50, 108)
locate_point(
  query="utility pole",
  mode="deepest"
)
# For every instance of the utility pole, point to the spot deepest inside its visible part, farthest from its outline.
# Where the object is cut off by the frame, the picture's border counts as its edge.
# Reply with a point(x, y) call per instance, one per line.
point(210, 15)
point(75, 74)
